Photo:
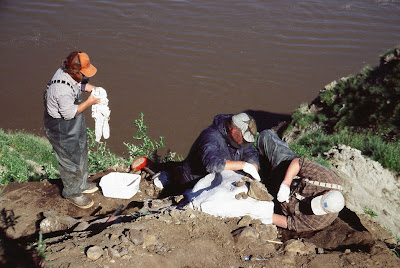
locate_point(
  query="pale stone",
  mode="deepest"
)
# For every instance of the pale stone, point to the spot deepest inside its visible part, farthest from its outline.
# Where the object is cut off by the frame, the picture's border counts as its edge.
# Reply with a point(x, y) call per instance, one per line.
point(150, 240)
point(93, 253)
point(244, 221)
point(81, 226)
point(267, 232)
point(136, 237)
point(258, 191)
point(51, 224)
point(298, 247)
point(113, 253)
point(244, 233)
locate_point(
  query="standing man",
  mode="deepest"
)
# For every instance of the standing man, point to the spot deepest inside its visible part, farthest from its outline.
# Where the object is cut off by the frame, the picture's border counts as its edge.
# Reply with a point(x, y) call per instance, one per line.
point(309, 194)
point(65, 125)
point(227, 144)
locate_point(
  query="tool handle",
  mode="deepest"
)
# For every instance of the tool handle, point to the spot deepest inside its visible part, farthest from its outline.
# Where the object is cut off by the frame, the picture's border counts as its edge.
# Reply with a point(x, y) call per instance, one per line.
point(151, 172)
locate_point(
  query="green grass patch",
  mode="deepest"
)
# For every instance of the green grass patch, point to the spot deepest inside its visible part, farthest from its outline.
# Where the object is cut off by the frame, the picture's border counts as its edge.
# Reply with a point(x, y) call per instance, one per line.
point(370, 212)
point(316, 143)
point(25, 157)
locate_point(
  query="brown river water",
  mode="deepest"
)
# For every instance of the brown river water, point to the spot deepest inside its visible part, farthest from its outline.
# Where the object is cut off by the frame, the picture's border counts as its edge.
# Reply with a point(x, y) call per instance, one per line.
point(182, 62)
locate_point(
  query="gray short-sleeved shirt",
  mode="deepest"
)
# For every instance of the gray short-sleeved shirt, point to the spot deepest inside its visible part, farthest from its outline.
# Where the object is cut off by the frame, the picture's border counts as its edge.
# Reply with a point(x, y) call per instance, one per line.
point(61, 97)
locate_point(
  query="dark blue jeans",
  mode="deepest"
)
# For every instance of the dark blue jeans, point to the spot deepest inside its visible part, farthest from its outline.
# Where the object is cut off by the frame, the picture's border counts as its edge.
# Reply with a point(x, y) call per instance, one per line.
point(275, 157)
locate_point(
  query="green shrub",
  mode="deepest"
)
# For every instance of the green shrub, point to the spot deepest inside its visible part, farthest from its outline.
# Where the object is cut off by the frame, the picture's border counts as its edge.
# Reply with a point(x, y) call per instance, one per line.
point(99, 155)
point(368, 100)
point(147, 147)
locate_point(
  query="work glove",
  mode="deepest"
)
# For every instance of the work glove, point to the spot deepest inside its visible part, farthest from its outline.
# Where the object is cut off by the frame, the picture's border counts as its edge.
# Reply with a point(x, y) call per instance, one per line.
point(283, 193)
point(250, 169)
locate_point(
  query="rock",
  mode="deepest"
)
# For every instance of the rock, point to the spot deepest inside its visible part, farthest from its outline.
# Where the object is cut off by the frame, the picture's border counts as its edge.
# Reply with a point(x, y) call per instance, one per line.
point(69, 221)
point(244, 233)
point(178, 198)
point(50, 213)
point(241, 196)
point(81, 226)
point(113, 253)
point(136, 237)
point(95, 252)
point(244, 221)
point(149, 191)
point(267, 232)
point(114, 237)
point(123, 251)
point(160, 203)
point(51, 224)
point(150, 240)
point(126, 257)
point(295, 246)
point(239, 183)
point(258, 191)
point(123, 239)
point(175, 213)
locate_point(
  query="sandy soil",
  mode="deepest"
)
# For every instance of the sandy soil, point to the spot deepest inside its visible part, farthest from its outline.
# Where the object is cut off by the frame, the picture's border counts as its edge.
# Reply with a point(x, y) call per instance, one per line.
point(152, 232)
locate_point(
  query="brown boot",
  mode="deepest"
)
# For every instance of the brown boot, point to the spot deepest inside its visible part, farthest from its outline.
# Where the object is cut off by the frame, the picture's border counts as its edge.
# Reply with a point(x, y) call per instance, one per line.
point(91, 188)
point(81, 201)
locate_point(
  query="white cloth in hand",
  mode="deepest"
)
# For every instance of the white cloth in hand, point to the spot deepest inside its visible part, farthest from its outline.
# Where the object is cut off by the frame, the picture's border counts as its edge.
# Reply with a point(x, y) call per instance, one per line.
point(101, 114)
point(283, 193)
point(250, 169)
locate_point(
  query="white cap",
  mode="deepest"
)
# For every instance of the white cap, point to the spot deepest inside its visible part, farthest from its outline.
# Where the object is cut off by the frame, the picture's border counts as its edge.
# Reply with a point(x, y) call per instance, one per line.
point(330, 202)
point(247, 126)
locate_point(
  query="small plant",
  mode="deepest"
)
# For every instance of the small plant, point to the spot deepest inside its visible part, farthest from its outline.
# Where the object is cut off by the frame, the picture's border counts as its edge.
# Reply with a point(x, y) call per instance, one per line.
point(40, 246)
point(99, 156)
point(396, 249)
point(148, 147)
point(370, 212)
point(50, 172)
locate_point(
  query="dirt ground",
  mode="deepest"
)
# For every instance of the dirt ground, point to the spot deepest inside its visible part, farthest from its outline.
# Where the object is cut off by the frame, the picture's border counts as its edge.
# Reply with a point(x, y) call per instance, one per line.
point(152, 232)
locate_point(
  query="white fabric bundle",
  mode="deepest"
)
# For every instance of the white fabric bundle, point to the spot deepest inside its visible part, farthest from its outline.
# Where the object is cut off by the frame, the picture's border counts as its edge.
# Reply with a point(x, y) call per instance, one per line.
point(101, 114)
point(215, 194)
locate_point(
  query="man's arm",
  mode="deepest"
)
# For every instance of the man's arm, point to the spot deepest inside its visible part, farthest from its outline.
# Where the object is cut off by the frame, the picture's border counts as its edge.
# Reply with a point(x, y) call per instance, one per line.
point(87, 103)
point(291, 172)
point(236, 165)
point(249, 168)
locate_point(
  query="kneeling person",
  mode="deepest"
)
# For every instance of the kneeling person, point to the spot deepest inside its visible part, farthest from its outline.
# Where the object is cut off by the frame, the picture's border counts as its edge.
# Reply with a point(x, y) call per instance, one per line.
point(227, 144)
point(309, 194)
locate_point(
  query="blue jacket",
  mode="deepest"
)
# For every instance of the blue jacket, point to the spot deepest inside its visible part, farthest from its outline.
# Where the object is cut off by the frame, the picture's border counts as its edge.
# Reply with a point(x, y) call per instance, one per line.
point(211, 150)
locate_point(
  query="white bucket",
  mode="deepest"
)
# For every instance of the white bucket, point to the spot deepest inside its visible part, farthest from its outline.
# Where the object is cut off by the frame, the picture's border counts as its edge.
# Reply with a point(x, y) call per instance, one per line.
point(120, 185)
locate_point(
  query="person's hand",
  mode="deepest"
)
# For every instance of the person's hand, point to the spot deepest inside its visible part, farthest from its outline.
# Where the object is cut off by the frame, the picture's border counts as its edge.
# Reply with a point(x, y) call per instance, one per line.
point(283, 193)
point(251, 169)
point(93, 100)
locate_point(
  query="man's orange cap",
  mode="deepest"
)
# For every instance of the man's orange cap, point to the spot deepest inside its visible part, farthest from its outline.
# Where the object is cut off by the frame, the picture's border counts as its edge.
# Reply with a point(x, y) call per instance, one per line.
point(87, 69)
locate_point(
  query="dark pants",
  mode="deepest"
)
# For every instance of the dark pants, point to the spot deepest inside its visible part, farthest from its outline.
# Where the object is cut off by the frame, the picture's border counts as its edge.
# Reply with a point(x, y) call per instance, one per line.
point(69, 141)
point(275, 158)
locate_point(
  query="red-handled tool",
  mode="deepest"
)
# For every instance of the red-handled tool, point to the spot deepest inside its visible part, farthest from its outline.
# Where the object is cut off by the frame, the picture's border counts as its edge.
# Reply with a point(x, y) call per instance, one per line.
point(115, 213)
point(142, 163)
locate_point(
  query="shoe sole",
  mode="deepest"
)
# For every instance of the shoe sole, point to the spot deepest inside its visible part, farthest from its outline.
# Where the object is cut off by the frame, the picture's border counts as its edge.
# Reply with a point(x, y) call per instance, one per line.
point(84, 207)
point(90, 191)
